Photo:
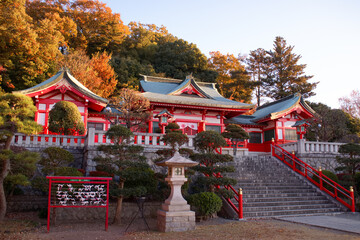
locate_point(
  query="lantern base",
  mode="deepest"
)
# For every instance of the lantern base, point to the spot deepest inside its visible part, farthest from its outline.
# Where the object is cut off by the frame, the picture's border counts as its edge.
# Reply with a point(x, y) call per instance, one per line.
point(175, 221)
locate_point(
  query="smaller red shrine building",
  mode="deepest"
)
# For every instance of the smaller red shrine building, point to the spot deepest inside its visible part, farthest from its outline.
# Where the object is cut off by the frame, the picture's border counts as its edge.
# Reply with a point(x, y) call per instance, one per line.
point(194, 106)
point(63, 87)
point(283, 120)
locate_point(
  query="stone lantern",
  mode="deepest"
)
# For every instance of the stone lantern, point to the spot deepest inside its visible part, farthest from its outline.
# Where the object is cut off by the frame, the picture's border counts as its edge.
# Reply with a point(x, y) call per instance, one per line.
point(175, 214)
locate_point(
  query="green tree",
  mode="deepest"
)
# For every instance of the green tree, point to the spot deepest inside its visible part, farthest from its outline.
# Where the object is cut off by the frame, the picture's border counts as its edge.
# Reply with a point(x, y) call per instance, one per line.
point(65, 118)
point(235, 134)
point(206, 143)
point(136, 53)
point(258, 67)
point(331, 125)
point(349, 161)
point(54, 158)
point(17, 115)
point(22, 168)
point(286, 76)
point(124, 160)
point(178, 59)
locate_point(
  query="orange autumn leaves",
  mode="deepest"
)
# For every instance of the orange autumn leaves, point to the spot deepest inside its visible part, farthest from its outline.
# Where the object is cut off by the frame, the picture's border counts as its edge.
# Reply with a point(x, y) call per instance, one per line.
point(96, 74)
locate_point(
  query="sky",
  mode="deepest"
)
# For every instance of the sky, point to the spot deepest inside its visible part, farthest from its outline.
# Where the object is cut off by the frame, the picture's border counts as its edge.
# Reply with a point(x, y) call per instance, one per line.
point(326, 33)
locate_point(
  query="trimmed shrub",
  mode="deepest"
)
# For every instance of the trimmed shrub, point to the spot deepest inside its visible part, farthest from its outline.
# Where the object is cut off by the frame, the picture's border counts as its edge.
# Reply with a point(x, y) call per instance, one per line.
point(205, 203)
point(68, 171)
point(65, 118)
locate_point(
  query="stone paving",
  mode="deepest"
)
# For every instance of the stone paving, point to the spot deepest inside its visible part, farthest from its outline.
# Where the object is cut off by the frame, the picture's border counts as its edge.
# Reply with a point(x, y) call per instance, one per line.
point(348, 222)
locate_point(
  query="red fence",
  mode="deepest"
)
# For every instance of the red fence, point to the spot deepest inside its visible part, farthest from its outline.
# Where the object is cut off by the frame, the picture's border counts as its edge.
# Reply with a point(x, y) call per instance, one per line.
point(325, 184)
point(78, 192)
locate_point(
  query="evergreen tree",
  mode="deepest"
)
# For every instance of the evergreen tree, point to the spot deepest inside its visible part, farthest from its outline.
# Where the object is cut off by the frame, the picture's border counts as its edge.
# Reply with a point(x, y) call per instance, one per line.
point(65, 118)
point(206, 143)
point(235, 134)
point(178, 59)
point(257, 66)
point(285, 75)
point(124, 160)
point(17, 115)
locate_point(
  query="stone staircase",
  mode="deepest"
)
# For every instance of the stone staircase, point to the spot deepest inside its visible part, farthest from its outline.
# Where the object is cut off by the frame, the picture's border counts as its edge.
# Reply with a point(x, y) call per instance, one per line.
point(271, 189)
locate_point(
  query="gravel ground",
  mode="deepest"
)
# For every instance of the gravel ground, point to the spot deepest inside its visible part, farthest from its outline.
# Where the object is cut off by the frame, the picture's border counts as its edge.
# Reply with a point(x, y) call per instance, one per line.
point(28, 226)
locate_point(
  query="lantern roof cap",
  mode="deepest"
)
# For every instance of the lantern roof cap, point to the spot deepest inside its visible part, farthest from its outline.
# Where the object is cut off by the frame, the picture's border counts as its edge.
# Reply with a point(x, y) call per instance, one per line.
point(177, 161)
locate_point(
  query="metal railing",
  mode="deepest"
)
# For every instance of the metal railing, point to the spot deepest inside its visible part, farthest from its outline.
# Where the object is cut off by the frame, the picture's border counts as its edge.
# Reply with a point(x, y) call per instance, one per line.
point(341, 194)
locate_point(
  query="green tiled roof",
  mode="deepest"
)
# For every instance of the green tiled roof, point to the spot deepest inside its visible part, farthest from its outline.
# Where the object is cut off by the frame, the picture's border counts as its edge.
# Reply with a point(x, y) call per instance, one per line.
point(158, 89)
point(63, 74)
point(271, 110)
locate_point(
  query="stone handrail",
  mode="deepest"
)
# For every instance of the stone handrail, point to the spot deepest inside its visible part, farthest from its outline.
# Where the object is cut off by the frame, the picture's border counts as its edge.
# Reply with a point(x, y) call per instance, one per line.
point(302, 146)
point(47, 140)
point(96, 138)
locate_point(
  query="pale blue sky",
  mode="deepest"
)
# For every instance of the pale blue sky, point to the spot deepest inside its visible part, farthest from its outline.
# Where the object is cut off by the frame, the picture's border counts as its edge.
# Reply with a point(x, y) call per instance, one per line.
point(326, 33)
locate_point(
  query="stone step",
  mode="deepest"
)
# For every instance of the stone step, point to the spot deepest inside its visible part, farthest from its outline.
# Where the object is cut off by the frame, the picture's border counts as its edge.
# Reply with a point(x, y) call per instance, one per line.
point(270, 181)
point(274, 191)
point(262, 214)
point(278, 195)
point(281, 199)
point(288, 207)
point(282, 203)
point(272, 187)
point(275, 184)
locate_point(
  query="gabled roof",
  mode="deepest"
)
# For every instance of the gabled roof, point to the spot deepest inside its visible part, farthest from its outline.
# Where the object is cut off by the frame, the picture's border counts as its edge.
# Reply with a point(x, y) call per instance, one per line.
point(63, 79)
point(167, 90)
point(275, 110)
point(56, 79)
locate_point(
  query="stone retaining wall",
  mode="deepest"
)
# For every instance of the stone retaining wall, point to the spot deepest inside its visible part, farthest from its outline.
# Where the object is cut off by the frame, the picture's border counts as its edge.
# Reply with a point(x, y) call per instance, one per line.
point(326, 161)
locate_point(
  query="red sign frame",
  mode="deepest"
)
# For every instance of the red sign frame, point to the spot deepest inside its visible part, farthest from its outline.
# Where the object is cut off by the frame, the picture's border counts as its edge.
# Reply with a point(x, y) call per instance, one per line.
point(88, 184)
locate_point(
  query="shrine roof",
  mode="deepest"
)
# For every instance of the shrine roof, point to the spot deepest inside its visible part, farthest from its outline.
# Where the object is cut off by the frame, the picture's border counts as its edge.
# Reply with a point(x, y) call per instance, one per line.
point(63, 74)
point(273, 110)
point(168, 90)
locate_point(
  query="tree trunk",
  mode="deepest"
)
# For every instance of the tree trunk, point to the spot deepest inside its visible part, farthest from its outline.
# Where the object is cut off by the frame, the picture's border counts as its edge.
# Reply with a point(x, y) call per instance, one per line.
point(4, 172)
point(117, 217)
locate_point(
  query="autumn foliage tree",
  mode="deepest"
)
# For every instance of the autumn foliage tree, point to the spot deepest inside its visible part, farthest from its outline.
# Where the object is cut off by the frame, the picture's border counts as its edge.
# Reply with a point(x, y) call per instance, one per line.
point(97, 28)
point(28, 50)
point(351, 104)
point(131, 108)
point(96, 73)
point(234, 81)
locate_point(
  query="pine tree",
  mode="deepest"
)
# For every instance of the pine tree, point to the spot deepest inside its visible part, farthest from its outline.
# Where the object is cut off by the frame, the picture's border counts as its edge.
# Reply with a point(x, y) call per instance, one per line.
point(286, 76)
point(17, 115)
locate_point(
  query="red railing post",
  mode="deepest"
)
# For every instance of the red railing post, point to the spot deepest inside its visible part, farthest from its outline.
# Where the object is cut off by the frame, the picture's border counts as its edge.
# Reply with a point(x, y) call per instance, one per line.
point(293, 159)
point(352, 199)
point(320, 179)
point(240, 200)
point(49, 203)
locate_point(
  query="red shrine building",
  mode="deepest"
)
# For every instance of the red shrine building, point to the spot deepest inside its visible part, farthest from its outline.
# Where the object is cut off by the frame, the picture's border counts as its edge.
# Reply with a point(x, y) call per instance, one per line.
point(194, 106)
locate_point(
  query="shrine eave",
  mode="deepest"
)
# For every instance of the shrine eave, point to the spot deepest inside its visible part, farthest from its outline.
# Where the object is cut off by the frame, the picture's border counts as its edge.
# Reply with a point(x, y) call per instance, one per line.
point(64, 81)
